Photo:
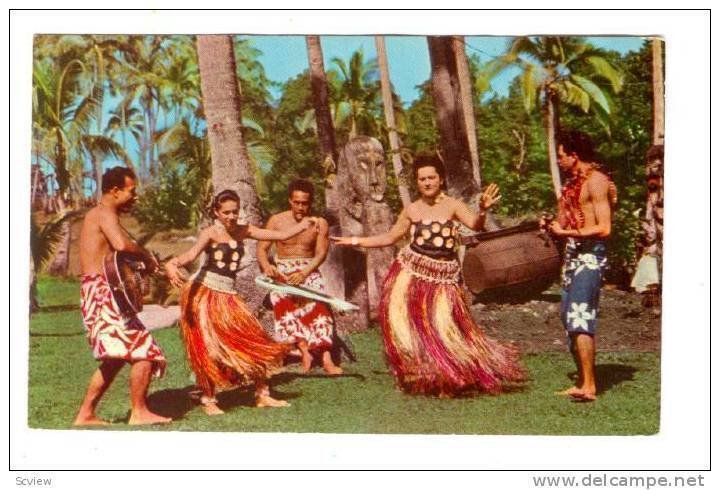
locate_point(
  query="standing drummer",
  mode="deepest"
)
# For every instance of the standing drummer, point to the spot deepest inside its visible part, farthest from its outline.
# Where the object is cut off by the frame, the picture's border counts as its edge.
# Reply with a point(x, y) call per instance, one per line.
point(585, 221)
point(307, 323)
point(115, 339)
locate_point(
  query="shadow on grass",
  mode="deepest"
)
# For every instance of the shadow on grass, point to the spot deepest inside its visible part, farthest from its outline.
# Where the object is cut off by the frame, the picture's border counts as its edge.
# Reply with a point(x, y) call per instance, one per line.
point(288, 377)
point(57, 308)
point(57, 334)
point(176, 403)
point(609, 375)
point(245, 397)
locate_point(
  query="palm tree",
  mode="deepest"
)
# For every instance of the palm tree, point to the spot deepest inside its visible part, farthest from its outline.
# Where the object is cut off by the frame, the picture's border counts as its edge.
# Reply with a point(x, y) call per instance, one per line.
point(125, 119)
point(180, 85)
point(141, 74)
point(62, 110)
point(321, 101)
point(551, 73)
point(58, 116)
point(357, 93)
point(466, 101)
point(99, 148)
point(43, 242)
point(450, 118)
point(333, 267)
point(658, 92)
point(390, 118)
point(231, 166)
point(97, 52)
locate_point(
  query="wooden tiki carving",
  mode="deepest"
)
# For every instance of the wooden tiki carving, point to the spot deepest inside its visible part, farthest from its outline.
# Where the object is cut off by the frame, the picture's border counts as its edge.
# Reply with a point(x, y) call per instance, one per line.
point(362, 182)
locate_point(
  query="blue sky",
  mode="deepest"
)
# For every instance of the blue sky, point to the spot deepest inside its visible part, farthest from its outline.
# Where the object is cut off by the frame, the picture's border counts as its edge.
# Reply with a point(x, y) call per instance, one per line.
point(284, 57)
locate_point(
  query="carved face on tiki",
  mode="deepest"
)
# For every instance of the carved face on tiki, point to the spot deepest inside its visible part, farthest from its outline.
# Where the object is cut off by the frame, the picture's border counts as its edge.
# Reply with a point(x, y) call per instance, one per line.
point(365, 160)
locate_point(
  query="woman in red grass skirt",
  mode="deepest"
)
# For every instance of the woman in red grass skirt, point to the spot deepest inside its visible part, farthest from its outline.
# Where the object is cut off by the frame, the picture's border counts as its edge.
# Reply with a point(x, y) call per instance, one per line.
point(226, 346)
point(432, 343)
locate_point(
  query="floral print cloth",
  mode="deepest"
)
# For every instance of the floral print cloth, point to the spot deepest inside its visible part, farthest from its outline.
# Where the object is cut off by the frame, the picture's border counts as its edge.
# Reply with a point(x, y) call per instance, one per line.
point(110, 335)
point(298, 318)
point(582, 276)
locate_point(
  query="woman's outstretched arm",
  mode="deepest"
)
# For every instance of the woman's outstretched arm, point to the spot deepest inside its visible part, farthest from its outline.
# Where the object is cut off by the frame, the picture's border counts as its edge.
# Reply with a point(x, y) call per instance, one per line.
point(399, 229)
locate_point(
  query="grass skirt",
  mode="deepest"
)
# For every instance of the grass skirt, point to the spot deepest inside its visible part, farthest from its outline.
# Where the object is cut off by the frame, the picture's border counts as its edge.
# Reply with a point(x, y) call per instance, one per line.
point(226, 346)
point(432, 343)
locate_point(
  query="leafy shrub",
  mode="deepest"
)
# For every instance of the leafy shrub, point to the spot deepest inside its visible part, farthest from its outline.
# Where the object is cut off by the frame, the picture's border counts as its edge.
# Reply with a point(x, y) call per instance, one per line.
point(171, 201)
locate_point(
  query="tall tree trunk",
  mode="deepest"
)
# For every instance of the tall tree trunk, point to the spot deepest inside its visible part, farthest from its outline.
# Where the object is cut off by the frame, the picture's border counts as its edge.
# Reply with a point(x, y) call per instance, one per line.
point(124, 126)
point(34, 305)
point(151, 140)
point(468, 111)
point(60, 261)
point(390, 119)
point(35, 180)
point(550, 128)
point(98, 170)
point(98, 94)
point(321, 99)
point(450, 119)
point(658, 92)
point(231, 167)
point(333, 268)
point(144, 144)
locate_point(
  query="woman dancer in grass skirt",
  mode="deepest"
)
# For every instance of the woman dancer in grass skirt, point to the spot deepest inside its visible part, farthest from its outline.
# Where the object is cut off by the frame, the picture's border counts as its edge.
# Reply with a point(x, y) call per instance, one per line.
point(225, 344)
point(432, 343)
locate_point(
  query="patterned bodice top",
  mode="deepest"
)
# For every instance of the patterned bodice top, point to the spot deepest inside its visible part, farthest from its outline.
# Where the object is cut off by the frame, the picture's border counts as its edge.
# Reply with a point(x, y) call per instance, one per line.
point(436, 239)
point(224, 258)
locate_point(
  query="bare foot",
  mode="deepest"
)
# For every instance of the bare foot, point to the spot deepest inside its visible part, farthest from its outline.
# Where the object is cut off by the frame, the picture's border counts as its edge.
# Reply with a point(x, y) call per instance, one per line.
point(333, 370)
point(585, 396)
point(147, 418)
point(266, 401)
point(572, 391)
point(329, 366)
point(90, 420)
point(212, 409)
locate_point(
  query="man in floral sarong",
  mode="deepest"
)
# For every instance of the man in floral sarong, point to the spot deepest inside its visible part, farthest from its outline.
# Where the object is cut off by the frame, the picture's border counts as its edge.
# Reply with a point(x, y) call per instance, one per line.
point(584, 220)
point(307, 323)
point(115, 340)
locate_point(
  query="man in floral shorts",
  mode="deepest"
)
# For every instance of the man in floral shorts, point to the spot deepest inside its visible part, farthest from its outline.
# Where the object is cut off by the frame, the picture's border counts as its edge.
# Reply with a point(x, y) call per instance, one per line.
point(584, 220)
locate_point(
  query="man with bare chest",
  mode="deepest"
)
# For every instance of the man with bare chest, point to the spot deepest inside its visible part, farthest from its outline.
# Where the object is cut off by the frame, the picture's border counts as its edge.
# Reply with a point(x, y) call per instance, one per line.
point(305, 322)
point(585, 221)
point(115, 339)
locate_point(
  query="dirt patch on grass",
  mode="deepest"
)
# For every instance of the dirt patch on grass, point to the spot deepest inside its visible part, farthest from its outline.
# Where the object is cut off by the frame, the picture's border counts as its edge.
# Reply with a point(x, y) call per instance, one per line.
point(624, 323)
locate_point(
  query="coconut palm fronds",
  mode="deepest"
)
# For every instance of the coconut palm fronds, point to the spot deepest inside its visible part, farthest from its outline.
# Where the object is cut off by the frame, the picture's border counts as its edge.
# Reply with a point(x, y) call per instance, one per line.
point(43, 240)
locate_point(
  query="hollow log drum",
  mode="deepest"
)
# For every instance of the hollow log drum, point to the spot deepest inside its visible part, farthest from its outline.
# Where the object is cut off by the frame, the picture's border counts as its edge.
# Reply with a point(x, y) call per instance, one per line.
point(517, 260)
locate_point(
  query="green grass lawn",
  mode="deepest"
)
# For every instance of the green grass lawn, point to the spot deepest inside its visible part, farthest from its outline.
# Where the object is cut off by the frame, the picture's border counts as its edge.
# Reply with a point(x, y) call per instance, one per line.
point(362, 401)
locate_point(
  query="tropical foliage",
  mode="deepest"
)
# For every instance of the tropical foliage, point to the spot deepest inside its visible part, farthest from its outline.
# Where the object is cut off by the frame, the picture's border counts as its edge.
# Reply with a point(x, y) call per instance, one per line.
point(136, 101)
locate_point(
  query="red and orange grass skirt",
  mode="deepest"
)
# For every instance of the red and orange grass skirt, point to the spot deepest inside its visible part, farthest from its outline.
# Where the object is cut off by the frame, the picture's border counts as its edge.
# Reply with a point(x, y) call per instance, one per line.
point(225, 344)
point(432, 343)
